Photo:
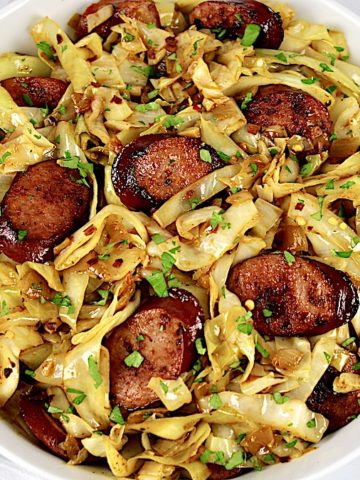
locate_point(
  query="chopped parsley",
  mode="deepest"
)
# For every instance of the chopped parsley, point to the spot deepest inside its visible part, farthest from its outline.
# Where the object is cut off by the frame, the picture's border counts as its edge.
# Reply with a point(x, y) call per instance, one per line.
point(224, 157)
point(158, 283)
point(200, 348)
point(348, 341)
point(267, 313)
point(94, 371)
point(153, 94)
point(279, 399)
point(330, 184)
point(205, 155)
point(61, 301)
point(4, 309)
point(158, 238)
point(248, 98)
point(327, 357)
point(253, 168)
point(164, 387)
point(261, 349)
point(74, 162)
point(146, 71)
point(172, 121)
point(167, 262)
point(80, 395)
point(22, 234)
point(311, 423)
point(325, 67)
point(104, 296)
point(148, 107)
point(281, 56)
point(289, 257)
point(347, 185)
point(217, 219)
point(4, 157)
point(290, 444)
point(135, 359)
point(252, 31)
point(310, 81)
point(215, 401)
point(46, 48)
point(194, 202)
point(346, 254)
point(27, 99)
point(116, 417)
point(318, 215)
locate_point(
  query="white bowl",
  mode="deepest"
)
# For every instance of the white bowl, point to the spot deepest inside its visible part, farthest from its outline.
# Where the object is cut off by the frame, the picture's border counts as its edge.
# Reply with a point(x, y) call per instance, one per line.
point(337, 449)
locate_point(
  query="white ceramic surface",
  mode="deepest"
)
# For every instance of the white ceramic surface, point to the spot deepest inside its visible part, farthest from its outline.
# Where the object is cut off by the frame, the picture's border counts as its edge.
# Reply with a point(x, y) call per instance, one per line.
point(338, 454)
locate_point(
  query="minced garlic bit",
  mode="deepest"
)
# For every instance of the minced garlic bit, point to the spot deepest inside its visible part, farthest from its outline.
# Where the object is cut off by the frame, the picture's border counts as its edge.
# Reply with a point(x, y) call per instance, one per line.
point(249, 304)
point(300, 221)
point(333, 221)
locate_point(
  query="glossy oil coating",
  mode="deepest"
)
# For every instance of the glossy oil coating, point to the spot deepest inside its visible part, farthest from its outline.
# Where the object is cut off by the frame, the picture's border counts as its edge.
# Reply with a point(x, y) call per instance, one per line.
point(163, 331)
point(297, 111)
point(35, 91)
point(235, 15)
point(153, 168)
point(47, 204)
point(305, 298)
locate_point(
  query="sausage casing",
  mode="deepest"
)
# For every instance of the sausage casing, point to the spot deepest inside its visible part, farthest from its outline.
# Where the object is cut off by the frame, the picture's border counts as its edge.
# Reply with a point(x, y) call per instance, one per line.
point(303, 298)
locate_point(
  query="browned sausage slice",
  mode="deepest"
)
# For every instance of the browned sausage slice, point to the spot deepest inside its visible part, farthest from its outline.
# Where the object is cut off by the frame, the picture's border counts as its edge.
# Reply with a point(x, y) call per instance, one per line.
point(153, 168)
point(143, 10)
point(338, 408)
point(41, 208)
point(42, 425)
point(235, 15)
point(297, 111)
point(305, 297)
point(35, 91)
point(218, 472)
point(163, 331)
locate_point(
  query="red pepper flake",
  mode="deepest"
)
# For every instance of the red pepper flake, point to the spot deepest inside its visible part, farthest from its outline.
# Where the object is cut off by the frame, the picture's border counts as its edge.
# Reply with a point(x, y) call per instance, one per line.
point(253, 129)
point(59, 39)
point(118, 263)
point(197, 108)
point(151, 53)
point(92, 261)
point(90, 230)
point(116, 99)
point(299, 206)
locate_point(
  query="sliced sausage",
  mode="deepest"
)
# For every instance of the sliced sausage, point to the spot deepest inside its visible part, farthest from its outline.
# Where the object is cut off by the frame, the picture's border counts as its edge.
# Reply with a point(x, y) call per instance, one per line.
point(143, 10)
point(35, 91)
point(42, 425)
point(163, 331)
point(298, 112)
point(338, 408)
point(235, 15)
point(153, 168)
point(218, 472)
point(305, 297)
point(41, 208)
